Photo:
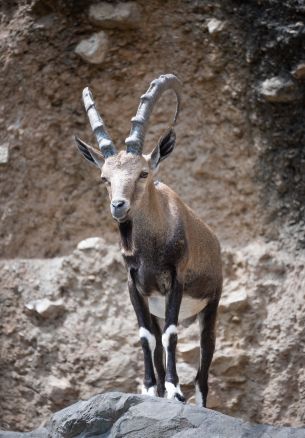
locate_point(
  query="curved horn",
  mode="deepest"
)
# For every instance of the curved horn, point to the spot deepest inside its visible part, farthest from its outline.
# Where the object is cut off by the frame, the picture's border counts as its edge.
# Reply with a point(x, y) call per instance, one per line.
point(139, 123)
point(106, 146)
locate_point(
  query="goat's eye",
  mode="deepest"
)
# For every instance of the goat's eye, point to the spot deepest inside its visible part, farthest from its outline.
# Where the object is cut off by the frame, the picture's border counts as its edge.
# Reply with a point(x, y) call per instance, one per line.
point(104, 180)
point(144, 174)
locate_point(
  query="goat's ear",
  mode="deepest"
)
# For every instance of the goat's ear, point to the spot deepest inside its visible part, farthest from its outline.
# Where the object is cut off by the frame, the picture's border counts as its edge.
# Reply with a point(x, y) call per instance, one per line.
point(164, 147)
point(90, 153)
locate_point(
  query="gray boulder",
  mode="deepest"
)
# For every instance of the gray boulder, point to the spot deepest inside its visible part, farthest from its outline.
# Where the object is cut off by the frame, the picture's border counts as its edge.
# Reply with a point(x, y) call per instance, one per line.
point(118, 415)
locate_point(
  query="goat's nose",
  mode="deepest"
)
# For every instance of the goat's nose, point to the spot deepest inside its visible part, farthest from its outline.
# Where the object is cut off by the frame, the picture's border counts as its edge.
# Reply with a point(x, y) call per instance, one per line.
point(119, 209)
point(118, 203)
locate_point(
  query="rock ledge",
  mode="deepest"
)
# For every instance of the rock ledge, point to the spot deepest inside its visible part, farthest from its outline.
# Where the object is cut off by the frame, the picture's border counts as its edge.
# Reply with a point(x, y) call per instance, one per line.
point(116, 415)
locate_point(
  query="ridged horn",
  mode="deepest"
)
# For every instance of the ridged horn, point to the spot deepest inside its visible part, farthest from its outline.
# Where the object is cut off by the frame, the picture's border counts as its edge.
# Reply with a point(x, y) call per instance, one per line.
point(105, 144)
point(139, 123)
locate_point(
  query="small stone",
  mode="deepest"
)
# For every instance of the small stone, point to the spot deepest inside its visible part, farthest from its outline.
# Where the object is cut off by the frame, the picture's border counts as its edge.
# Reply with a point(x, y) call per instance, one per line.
point(60, 391)
point(215, 26)
point(278, 89)
point(234, 301)
point(238, 132)
point(187, 372)
point(189, 351)
point(9, 328)
point(4, 153)
point(91, 243)
point(93, 49)
point(122, 15)
point(46, 308)
point(233, 402)
point(299, 71)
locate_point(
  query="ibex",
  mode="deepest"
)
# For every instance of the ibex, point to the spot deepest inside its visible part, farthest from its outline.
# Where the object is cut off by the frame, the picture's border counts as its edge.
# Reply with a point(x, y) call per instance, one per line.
point(172, 257)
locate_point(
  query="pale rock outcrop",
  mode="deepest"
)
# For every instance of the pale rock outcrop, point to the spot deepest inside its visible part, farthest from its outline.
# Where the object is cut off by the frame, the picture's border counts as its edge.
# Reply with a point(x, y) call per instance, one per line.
point(60, 391)
point(278, 89)
point(94, 48)
point(46, 308)
point(121, 15)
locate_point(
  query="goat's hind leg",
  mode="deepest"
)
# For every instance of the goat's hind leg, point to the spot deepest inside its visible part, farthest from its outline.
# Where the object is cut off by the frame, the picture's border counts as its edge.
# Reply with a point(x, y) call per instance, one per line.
point(207, 320)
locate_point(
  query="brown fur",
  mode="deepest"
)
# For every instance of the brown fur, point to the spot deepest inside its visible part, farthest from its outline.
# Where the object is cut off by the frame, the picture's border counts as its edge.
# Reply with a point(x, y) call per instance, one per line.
point(158, 215)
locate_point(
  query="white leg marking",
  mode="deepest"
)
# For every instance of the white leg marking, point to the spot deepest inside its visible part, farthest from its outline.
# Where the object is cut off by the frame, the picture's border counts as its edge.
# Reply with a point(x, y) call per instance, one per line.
point(198, 396)
point(150, 391)
point(171, 330)
point(144, 333)
point(172, 390)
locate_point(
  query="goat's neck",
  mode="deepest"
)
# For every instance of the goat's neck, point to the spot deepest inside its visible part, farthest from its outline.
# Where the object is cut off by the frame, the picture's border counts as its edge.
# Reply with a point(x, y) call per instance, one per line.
point(148, 219)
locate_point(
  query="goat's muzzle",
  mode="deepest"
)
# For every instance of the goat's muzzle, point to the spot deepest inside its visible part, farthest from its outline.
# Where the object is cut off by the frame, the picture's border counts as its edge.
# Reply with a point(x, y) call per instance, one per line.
point(119, 209)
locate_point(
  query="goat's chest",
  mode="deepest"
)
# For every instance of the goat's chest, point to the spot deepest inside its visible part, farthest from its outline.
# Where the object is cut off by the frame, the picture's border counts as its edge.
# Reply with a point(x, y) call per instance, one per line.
point(155, 284)
point(148, 280)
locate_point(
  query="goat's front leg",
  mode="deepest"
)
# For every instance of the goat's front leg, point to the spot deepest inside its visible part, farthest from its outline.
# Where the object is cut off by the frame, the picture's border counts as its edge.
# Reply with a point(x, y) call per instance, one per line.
point(158, 358)
point(148, 340)
point(169, 341)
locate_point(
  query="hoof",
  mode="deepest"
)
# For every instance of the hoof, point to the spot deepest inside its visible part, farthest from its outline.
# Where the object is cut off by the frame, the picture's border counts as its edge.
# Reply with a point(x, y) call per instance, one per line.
point(174, 392)
point(179, 397)
point(152, 390)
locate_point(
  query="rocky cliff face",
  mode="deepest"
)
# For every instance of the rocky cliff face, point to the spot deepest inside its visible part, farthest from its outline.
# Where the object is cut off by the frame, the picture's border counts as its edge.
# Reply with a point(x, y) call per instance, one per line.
point(239, 155)
point(68, 330)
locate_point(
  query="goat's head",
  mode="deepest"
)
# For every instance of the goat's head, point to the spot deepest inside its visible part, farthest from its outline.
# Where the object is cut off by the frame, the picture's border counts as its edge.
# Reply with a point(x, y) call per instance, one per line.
point(127, 174)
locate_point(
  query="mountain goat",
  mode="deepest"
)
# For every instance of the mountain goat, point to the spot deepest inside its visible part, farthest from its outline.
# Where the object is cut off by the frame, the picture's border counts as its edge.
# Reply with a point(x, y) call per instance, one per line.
point(172, 257)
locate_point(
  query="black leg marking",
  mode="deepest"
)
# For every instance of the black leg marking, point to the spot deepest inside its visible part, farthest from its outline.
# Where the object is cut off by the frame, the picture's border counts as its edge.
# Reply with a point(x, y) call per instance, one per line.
point(158, 357)
point(149, 374)
point(169, 341)
point(148, 340)
point(207, 320)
